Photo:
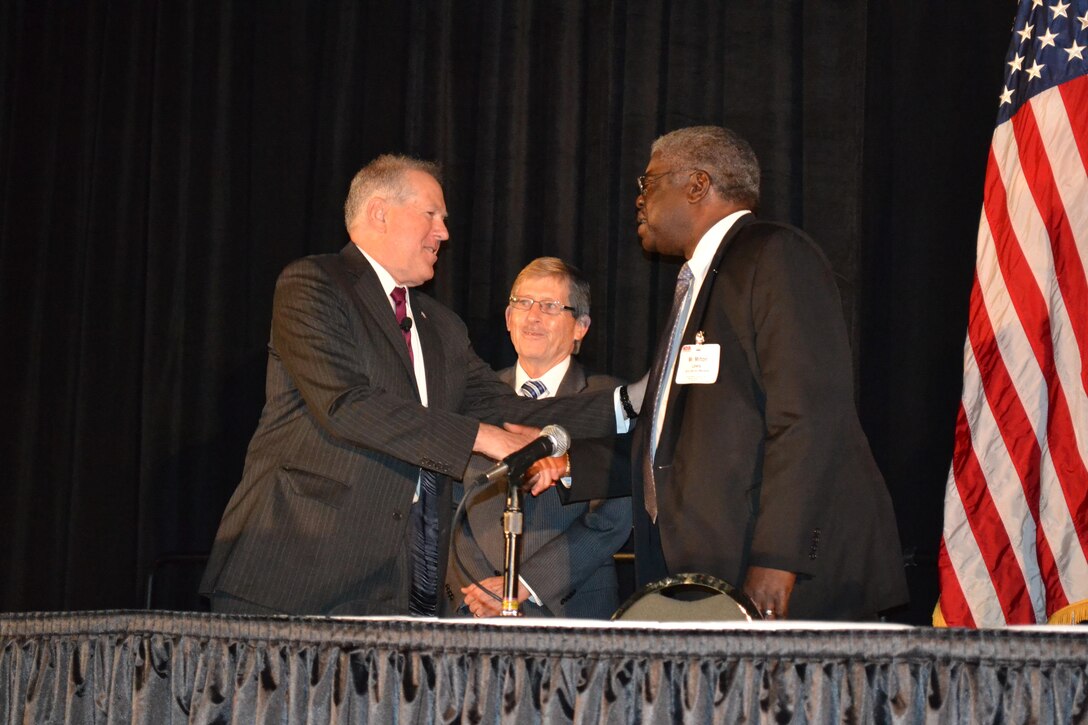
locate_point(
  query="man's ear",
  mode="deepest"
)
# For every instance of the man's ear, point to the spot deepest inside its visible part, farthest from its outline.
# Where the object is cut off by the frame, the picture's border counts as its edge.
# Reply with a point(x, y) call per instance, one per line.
point(376, 210)
point(698, 185)
point(581, 327)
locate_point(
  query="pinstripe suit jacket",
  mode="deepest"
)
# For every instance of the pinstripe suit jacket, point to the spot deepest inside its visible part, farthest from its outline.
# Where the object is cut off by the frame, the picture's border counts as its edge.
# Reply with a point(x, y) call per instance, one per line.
point(566, 550)
point(319, 522)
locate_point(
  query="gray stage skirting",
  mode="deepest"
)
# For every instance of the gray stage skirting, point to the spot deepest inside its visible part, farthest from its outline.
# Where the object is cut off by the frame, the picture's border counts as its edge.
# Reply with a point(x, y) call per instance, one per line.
point(147, 667)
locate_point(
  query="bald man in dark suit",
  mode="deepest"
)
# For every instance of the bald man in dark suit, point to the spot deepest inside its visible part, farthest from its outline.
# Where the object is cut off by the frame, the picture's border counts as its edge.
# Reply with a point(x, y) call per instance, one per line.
point(374, 402)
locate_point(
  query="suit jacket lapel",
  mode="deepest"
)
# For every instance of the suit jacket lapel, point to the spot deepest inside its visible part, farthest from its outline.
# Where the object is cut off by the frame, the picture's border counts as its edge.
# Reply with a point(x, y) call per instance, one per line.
point(698, 310)
point(574, 381)
point(368, 291)
point(670, 425)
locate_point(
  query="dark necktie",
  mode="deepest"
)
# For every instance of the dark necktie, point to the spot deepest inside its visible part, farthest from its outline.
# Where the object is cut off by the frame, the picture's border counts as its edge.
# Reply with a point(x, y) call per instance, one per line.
point(400, 308)
point(663, 365)
point(423, 597)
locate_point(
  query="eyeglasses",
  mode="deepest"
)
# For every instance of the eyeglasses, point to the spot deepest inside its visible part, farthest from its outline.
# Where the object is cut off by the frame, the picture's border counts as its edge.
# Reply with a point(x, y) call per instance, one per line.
point(645, 179)
point(548, 307)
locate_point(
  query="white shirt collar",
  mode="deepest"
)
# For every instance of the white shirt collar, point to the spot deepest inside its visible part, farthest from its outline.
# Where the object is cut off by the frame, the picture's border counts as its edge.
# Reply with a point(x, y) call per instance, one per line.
point(388, 283)
point(708, 245)
point(551, 379)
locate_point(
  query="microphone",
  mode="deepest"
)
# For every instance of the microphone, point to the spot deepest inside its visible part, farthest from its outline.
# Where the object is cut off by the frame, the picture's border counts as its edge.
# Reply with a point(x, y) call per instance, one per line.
point(553, 441)
point(406, 324)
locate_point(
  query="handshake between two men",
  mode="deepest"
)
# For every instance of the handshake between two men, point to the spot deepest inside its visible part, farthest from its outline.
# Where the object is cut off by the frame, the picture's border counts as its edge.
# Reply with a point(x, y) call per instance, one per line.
point(748, 463)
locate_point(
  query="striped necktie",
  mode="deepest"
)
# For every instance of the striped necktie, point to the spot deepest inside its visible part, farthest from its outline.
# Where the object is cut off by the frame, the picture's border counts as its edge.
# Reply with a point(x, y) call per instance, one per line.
point(534, 389)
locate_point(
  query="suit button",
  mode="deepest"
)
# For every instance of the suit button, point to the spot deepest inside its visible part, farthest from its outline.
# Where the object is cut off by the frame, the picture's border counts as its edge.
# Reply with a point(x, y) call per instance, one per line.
point(397, 516)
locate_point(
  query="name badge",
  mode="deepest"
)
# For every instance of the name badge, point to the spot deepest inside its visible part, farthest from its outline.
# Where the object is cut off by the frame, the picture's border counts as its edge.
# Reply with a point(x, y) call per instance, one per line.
point(698, 363)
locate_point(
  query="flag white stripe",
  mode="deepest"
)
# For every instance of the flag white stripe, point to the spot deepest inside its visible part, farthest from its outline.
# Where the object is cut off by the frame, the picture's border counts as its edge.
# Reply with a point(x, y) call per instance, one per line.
point(960, 543)
point(1002, 476)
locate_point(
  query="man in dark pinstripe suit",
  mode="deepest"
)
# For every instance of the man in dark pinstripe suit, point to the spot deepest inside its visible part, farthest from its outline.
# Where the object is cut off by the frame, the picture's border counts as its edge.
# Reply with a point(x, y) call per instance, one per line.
point(360, 410)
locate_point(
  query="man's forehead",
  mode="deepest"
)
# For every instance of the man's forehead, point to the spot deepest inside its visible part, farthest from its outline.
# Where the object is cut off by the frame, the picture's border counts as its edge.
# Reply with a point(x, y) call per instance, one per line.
point(427, 196)
point(655, 161)
point(542, 280)
point(422, 182)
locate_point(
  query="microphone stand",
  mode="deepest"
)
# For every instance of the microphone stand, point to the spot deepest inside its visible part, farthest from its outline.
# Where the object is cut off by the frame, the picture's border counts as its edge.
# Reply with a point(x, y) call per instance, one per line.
point(512, 526)
point(514, 467)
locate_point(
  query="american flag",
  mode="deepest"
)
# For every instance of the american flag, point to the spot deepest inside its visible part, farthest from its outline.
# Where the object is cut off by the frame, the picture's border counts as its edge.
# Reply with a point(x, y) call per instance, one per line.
point(1015, 543)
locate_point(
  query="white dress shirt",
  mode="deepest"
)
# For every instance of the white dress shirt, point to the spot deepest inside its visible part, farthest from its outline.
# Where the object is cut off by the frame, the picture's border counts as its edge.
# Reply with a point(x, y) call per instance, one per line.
point(699, 264)
point(388, 284)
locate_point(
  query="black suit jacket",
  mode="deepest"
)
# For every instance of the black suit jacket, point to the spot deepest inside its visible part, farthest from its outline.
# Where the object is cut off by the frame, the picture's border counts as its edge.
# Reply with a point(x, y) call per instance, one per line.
point(768, 465)
point(566, 549)
point(319, 522)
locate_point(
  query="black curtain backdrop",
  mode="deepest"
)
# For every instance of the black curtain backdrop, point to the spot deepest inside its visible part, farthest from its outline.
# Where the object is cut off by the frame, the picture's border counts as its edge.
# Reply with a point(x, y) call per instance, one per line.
point(160, 162)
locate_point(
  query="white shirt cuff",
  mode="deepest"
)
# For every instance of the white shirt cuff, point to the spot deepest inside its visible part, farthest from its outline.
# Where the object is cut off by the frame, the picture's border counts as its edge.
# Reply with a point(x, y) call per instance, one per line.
point(532, 595)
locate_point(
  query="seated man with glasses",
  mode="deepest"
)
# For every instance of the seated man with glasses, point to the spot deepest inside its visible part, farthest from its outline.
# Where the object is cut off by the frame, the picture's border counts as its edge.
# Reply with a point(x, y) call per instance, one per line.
point(566, 550)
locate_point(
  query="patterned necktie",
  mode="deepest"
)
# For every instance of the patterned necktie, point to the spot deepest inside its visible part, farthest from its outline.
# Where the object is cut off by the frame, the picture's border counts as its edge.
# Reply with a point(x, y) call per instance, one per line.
point(663, 365)
point(533, 389)
point(423, 596)
point(400, 308)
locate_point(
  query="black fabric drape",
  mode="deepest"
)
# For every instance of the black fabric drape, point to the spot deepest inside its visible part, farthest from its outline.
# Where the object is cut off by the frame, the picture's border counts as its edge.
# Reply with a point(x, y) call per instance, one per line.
point(931, 103)
point(140, 668)
point(161, 162)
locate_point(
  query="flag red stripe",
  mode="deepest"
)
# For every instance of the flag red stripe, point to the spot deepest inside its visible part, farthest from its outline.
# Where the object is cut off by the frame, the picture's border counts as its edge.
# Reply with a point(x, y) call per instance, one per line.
point(1020, 283)
point(1016, 428)
point(1074, 288)
point(954, 607)
point(1071, 470)
point(1063, 245)
point(1075, 97)
point(1009, 412)
point(982, 514)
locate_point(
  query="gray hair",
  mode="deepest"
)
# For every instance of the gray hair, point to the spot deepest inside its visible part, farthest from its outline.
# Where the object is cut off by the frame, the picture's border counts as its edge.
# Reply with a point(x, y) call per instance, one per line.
point(384, 175)
point(556, 267)
point(726, 157)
